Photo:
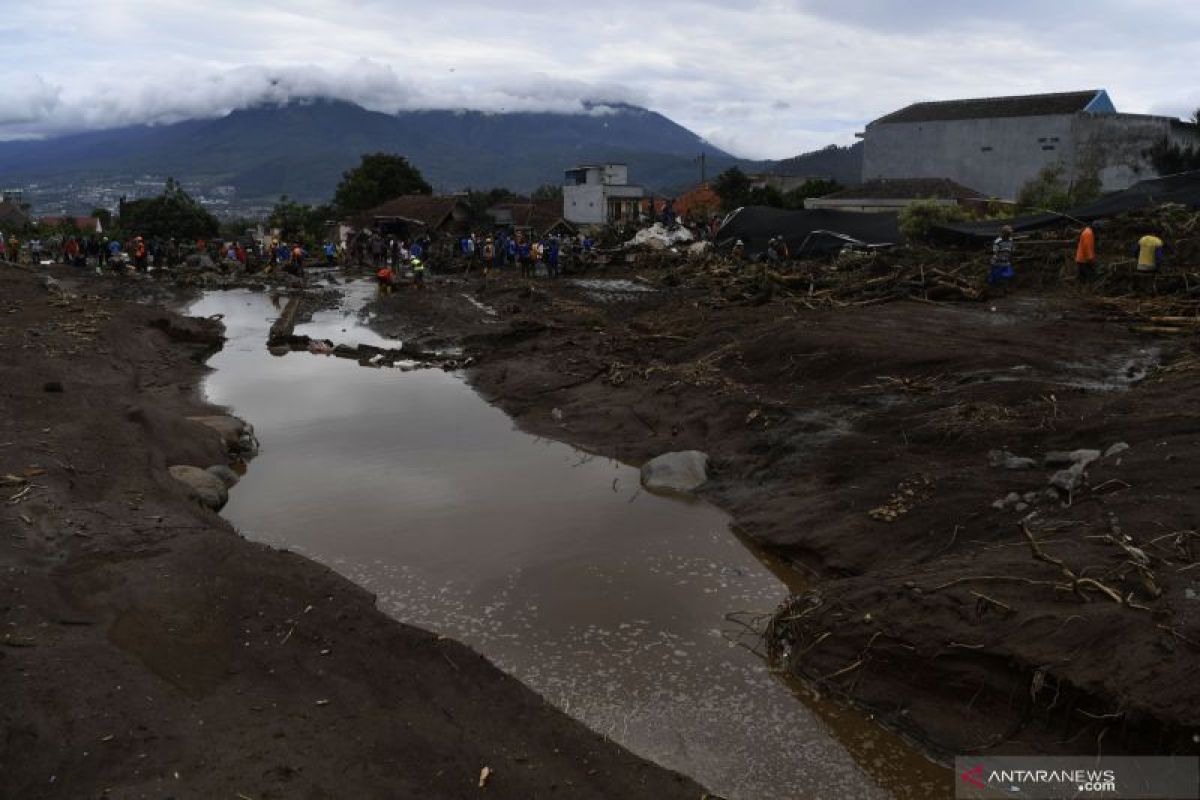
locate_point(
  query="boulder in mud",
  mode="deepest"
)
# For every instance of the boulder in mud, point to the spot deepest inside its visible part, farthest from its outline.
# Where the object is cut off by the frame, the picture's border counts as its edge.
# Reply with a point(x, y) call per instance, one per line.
point(682, 471)
point(226, 475)
point(1003, 459)
point(203, 486)
point(1059, 458)
point(231, 428)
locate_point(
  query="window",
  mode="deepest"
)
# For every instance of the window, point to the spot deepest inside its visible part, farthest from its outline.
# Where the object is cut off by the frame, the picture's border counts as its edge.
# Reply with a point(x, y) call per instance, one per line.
point(987, 148)
point(1047, 147)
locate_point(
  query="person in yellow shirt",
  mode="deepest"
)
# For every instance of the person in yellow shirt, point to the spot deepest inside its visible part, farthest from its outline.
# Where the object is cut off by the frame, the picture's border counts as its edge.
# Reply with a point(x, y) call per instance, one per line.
point(1085, 255)
point(1149, 253)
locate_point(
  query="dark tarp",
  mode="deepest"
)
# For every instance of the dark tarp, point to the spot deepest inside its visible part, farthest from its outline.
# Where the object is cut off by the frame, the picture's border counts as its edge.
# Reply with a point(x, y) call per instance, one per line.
point(1182, 188)
point(807, 233)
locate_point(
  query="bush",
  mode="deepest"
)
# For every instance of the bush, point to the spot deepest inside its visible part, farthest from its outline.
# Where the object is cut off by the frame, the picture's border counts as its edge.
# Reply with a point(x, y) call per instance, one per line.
point(919, 218)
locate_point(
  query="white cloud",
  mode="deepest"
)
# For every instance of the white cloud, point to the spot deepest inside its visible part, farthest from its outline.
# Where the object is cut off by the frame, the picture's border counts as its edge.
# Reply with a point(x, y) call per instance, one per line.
point(764, 78)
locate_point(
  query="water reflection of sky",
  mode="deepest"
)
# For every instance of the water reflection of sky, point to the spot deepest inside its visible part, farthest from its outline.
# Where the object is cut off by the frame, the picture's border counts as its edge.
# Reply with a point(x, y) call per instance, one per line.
point(553, 563)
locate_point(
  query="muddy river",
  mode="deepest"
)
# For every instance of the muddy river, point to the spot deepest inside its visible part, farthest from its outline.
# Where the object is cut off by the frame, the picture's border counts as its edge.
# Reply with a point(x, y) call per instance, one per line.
point(625, 609)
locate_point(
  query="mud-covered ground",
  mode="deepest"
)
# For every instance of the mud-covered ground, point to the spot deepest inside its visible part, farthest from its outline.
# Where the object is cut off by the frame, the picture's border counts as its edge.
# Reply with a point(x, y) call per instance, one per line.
point(897, 456)
point(147, 650)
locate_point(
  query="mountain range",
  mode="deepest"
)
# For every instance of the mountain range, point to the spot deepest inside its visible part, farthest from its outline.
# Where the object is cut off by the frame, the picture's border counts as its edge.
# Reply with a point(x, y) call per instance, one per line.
point(301, 150)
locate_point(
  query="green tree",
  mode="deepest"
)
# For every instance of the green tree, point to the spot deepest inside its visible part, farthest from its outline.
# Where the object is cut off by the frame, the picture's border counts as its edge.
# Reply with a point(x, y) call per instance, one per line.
point(1168, 158)
point(546, 192)
point(379, 178)
point(733, 187)
point(918, 218)
point(299, 222)
point(480, 200)
point(172, 214)
point(814, 187)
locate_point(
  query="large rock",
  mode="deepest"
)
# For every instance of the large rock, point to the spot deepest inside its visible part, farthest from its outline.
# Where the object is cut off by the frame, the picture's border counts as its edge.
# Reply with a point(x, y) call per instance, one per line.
point(202, 485)
point(684, 471)
point(237, 434)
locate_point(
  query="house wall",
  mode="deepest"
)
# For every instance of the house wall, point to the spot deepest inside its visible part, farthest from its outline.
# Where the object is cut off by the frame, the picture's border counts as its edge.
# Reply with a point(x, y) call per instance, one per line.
point(998, 156)
point(584, 204)
point(993, 156)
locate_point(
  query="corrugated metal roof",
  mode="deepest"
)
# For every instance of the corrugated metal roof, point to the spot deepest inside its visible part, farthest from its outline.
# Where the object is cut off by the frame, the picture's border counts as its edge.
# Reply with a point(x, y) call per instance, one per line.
point(1029, 105)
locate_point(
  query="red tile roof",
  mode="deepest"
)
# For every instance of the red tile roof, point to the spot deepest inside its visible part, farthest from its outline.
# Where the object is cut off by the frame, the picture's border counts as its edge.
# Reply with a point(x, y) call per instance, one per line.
point(428, 210)
point(83, 223)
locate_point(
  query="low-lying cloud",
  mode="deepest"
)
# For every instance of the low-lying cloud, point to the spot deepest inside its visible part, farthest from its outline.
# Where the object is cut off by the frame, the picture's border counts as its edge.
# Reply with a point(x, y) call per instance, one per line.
point(769, 78)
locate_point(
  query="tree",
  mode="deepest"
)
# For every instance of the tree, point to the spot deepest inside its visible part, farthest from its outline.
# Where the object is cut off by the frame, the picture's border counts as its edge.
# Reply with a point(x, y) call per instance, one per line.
point(1050, 190)
point(172, 214)
point(105, 217)
point(813, 187)
point(480, 200)
point(1168, 158)
point(546, 192)
point(379, 178)
point(733, 187)
point(918, 218)
point(299, 222)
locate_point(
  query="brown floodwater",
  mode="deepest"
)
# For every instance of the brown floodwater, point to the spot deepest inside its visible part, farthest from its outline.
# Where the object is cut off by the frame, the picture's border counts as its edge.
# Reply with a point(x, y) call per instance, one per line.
point(623, 608)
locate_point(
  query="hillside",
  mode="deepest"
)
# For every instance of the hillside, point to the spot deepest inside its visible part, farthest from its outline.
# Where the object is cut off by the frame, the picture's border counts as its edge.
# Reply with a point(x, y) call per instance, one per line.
point(843, 164)
point(302, 149)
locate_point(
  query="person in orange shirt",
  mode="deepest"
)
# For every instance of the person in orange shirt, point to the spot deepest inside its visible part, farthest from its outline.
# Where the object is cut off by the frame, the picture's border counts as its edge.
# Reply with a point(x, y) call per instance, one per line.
point(1085, 255)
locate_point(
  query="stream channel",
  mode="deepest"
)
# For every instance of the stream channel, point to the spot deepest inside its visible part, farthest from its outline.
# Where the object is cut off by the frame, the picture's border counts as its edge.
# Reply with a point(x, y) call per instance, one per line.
point(552, 562)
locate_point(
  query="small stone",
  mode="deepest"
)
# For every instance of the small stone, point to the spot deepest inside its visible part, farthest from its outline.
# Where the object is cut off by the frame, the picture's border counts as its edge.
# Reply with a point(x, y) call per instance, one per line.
point(1029, 497)
point(1006, 460)
point(1190, 594)
point(1021, 506)
point(682, 471)
point(1068, 480)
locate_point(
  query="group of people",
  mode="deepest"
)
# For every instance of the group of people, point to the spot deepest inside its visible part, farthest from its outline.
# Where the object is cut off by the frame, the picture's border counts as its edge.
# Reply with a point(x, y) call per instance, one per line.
point(528, 254)
point(1149, 251)
point(490, 254)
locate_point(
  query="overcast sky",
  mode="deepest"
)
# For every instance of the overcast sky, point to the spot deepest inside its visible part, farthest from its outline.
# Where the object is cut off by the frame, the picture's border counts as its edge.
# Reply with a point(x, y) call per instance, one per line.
point(761, 79)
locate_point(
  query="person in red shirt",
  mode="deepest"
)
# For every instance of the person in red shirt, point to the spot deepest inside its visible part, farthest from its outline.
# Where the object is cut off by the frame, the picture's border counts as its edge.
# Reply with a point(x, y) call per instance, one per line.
point(1085, 255)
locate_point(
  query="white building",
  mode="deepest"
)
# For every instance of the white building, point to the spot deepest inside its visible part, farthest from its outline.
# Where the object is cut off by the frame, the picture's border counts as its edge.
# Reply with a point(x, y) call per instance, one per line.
point(996, 144)
point(600, 194)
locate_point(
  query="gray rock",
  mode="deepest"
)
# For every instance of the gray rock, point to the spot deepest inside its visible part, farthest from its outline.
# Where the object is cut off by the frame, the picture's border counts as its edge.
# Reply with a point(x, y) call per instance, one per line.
point(1060, 458)
point(1116, 449)
point(1068, 480)
point(1190, 594)
point(683, 471)
point(202, 485)
point(1021, 507)
point(231, 428)
point(1029, 497)
point(225, 474)
point(1006, 460)
point(1057, 458)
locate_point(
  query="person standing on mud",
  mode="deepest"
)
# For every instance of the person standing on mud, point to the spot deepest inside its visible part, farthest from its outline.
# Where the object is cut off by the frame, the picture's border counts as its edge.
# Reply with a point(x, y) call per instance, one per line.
point(1085, 255)
point(1149, 251)
point(489, 258)
point(552, 258)
point(1001, 272)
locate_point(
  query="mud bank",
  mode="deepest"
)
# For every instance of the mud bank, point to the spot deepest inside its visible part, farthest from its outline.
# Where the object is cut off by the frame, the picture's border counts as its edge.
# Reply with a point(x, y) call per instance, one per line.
point(146, 650)
point(905, 460)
